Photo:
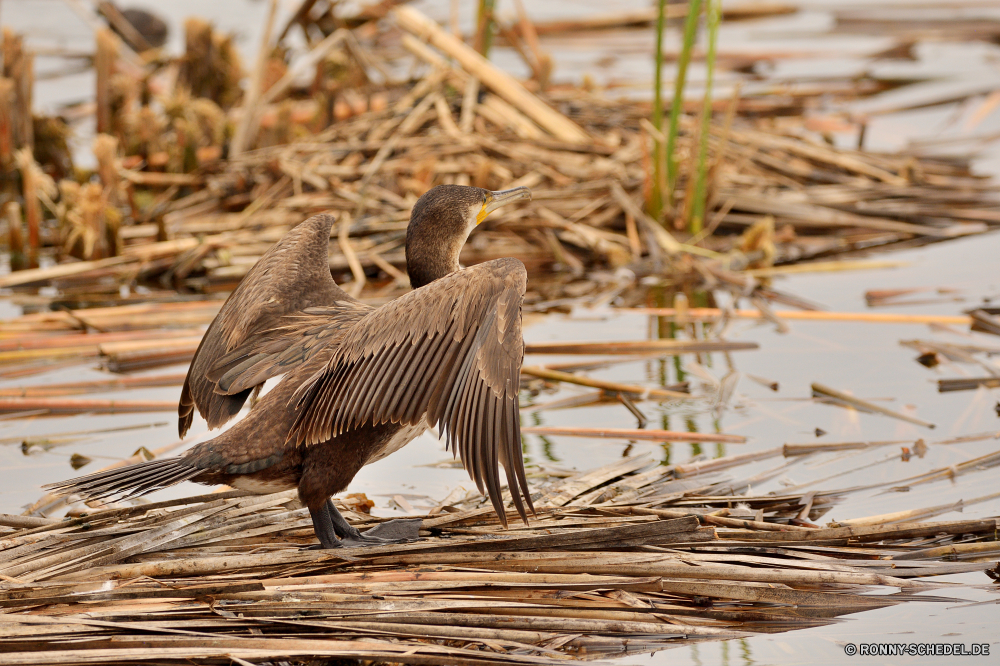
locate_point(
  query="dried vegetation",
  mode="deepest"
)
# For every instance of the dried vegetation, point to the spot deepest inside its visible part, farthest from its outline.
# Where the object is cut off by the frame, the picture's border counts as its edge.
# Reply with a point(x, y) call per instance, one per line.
point(628, 558)
point(196, 178)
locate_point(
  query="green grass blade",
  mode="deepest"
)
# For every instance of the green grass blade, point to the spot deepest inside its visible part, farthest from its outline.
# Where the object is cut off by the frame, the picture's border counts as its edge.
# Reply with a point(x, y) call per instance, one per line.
point(713, 16)
point(690, 30)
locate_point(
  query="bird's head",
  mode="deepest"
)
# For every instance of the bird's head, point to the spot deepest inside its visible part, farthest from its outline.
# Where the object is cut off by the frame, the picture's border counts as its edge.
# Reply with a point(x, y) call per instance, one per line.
point(441, 222)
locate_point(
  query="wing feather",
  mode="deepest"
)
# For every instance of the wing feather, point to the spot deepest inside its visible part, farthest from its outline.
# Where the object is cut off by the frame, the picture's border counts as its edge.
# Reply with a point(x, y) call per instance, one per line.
point(470, 453)
point(449, 353)
point(293, 274)
point(379, 396)
point(404, 399)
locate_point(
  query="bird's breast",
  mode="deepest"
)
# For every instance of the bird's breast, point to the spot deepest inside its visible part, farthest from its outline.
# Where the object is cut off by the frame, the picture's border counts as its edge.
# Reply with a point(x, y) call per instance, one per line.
point(398, 440)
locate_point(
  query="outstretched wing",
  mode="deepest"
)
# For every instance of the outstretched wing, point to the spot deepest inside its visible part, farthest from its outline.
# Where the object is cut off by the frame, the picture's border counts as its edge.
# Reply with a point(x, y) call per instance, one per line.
point(451, 350)
point(299, 337)
point(292, 275)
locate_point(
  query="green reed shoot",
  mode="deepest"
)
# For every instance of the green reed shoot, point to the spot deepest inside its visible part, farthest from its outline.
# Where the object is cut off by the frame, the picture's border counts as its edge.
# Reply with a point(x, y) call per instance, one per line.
point(677, 105)
point(696, 215)
point(484, 27)
point(658, 184)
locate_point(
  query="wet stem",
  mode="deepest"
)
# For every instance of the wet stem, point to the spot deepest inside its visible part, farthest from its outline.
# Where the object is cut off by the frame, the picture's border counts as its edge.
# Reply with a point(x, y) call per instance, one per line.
point(658, 184)
point(664, 160)
point(696, 215)
point(483, 39)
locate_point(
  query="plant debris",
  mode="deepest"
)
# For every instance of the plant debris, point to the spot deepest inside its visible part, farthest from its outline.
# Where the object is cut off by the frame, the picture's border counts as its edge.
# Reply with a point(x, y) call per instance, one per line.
point(622, 559)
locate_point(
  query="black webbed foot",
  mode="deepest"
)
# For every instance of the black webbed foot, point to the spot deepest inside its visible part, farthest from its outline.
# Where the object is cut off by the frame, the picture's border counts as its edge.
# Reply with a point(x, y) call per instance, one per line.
point(392, 531)
point(334, 531)
point(400, 530)
point(368, 542)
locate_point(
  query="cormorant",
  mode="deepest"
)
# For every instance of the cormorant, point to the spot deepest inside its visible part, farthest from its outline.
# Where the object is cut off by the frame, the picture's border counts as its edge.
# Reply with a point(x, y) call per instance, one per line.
point(359, 382)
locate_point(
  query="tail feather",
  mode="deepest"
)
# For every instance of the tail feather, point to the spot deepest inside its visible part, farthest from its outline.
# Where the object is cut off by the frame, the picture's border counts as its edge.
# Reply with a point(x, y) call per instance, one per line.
point(110, 476)
point(120, 478)
point(130, 481)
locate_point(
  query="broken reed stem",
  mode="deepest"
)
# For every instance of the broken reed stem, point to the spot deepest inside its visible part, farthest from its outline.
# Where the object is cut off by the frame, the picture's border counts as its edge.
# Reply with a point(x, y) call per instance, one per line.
point(628, 433)
point(32, 208)
point(967, 383)
point(132, 37)
point(56, 406)
point(713, 13)
point(542, 67)
point(909, 515)
point(667, 346)
point(470, 98)
point(104, 68)
point(641, 391)
point(18, 67)
point(25, 522)
point(717, 520)
point(8, 120)
point(702, 314)
point(344, 241)
point(483, 39)
point(713, 169)
point(677, 104)
point(864, 405)
point(16, 144)
point(247, 128)
point(96, 386)
point(503, 84)
point(16, 236)
point(793, 450)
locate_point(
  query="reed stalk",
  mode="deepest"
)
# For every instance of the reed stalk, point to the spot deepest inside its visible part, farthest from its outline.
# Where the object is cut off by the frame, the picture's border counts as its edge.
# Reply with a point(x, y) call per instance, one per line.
point(484, 27)
point(104, 66)
point(18, 259)
point(713, 16)
point(677, 105)
point(658, 183)
point(649, 436)
point(570, 378)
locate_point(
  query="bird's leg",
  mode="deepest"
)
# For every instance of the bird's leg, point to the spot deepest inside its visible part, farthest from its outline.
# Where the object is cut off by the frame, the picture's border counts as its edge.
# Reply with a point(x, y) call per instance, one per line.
point(324, 526)
point(349, 535)
point(342, 528)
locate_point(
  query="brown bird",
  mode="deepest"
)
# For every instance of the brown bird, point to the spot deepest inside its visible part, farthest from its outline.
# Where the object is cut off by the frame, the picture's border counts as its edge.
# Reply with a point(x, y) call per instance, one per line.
point(359, 382)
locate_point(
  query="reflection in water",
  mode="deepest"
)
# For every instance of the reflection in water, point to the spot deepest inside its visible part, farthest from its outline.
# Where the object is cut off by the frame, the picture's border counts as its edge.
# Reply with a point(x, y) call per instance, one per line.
point(669, 328)
point(665, 425)
point(679, 371)
point(548, 449)
point(665, 328)
point(735, 652)
point(695, 447)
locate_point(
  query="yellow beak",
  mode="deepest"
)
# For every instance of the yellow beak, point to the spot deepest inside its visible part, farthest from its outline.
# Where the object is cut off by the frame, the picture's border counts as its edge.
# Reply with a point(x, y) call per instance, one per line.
point(501, 198)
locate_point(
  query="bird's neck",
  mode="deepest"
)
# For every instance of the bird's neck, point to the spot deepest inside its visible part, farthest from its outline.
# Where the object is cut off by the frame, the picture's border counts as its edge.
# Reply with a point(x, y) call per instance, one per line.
point(424, 265)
